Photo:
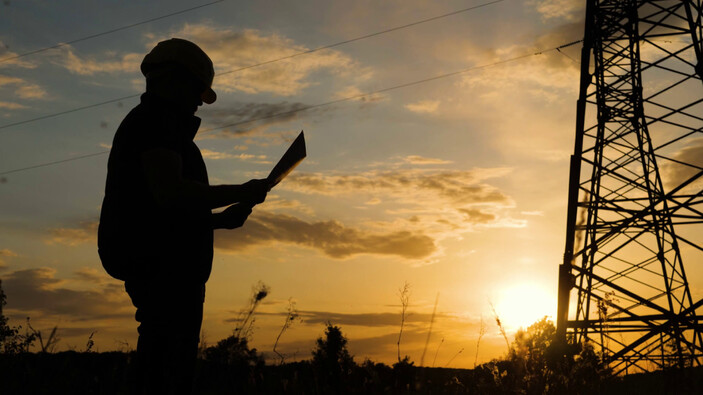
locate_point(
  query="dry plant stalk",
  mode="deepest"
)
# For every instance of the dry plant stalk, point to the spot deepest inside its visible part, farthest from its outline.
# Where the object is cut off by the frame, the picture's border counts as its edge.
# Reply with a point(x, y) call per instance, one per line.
point(429, 333)
point(90, 343)
point(500, 326)
point(608, 299)
point(246, 321)
point(404, 295)
point(51, 342)
point(455, 355)
point(481, 332)
point(437, 352)
point(290, 319)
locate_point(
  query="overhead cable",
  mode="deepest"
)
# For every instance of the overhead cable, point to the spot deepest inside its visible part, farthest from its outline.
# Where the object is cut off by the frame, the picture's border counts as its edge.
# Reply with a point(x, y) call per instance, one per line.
point(59, 45)
point(351, 40)
point(353, 97)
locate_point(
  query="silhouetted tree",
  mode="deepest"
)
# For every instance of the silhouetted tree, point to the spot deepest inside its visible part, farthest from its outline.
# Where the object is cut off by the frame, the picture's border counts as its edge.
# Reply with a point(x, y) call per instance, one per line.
point(536, 364)
point(332, 361)
point(233, 351)
point(11, 340)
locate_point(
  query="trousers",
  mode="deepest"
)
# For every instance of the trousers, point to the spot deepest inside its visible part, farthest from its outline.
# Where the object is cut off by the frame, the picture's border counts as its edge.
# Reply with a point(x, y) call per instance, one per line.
point(170, 314)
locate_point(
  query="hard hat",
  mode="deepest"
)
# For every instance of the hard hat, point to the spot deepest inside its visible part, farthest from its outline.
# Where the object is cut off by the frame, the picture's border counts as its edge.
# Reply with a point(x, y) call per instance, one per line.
point(186, 54)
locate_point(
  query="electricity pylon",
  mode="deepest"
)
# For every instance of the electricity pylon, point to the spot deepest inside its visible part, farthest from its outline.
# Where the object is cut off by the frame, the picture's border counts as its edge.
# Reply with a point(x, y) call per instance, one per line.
point(635, 208)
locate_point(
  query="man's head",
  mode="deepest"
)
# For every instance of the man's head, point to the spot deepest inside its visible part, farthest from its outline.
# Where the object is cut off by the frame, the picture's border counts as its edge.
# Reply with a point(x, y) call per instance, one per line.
point(179, 70)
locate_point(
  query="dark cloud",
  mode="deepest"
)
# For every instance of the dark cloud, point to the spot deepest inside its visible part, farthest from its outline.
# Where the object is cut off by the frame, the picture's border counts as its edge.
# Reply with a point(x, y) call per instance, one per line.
point(476, 216)
point(331, 237)
point(264, 114)
point(360, 319)
point(376, 347)
point(38, 290)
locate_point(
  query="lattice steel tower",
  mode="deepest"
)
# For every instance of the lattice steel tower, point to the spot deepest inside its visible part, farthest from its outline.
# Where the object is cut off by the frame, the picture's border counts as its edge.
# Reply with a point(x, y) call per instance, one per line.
point(635, 210)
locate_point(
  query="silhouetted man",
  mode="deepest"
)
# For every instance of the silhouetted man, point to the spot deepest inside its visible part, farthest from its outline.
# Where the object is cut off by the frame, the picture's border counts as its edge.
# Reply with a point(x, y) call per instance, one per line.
point(156, 225)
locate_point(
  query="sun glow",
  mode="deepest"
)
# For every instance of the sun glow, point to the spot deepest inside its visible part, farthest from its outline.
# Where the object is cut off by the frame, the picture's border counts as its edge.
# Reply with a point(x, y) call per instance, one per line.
point(523, 304)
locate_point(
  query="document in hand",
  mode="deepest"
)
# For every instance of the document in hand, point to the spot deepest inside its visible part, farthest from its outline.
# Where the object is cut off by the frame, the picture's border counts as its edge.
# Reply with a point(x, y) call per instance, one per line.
point(295, 154)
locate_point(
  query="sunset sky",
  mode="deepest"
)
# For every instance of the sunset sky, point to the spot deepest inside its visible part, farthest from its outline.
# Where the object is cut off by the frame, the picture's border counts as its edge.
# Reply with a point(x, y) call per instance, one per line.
point(456, 185)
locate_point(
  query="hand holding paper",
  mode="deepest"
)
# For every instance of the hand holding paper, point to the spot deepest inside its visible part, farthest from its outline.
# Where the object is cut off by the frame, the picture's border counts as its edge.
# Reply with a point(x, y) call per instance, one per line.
point(295, 154)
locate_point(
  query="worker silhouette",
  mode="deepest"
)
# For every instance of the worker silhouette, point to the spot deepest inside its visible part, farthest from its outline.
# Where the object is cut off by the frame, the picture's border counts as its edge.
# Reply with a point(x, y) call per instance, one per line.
point(156, 224)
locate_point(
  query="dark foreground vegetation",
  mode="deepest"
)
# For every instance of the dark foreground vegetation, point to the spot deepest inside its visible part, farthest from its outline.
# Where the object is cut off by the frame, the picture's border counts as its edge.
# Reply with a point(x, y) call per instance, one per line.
point(231, 367)
point(534, 364)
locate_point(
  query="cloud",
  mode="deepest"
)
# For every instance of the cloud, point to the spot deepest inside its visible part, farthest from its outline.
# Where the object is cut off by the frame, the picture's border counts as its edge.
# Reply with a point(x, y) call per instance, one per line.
point(366, 319)
point(92, 275)
point(546, 76)
point(5, 80)
point(11, 106)
point(208, 154)
point(477, 216)
point(353, 92)
point(330, 237)
point(532, 213)
point(675, 173)
point(276, 203)
point(234, 49)
point(214, 155)
point(420, 160)
point(5, 252)
point(424, 106)
point(86, 232)
point(31, 91)
point(456, 186)
point(38, 290)
point(265, 114)
point(5, 53)
point(358, 319)
point(437, 202)
point(231, 50)
point(127, 63)
point(22, 88)
point(558, 9)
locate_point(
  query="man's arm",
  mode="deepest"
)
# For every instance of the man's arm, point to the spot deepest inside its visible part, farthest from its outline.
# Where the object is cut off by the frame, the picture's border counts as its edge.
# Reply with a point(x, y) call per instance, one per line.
point(162, 169)
point(233, 217)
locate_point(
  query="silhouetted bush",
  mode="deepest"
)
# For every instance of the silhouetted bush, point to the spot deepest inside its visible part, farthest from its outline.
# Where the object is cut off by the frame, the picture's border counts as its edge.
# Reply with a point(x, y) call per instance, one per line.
point(12, 341)
point(230, 364)
point(331, 360)
point(537, 364)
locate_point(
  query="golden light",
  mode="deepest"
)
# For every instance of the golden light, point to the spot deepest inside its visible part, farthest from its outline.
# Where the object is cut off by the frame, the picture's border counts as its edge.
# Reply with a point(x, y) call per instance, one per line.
point(523, 304)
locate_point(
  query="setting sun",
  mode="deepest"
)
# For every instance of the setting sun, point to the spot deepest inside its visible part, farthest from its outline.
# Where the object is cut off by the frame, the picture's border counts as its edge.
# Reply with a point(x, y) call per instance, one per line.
point(523, 304)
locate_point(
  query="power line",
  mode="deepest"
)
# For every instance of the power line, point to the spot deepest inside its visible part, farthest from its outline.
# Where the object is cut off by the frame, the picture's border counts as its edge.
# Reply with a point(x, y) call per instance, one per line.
point(371, 93)
point(59, 45)
point(351, 40)
point(268, 61)
point(55, 162)
point(69, 111)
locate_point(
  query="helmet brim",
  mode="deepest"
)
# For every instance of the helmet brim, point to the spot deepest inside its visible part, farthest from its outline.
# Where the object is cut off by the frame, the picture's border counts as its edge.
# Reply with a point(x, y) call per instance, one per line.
point(209, 96)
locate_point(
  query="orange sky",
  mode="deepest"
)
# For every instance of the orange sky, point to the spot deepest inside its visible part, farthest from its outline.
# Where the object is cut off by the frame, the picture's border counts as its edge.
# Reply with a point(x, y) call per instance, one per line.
point(457, 186)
